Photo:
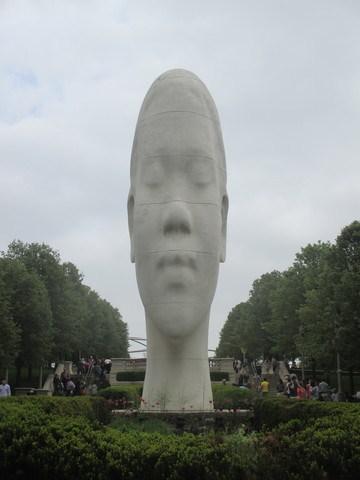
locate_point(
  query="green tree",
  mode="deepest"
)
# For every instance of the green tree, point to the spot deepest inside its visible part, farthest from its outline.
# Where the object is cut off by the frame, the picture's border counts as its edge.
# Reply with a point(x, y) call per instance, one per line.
point(345, 263)
point(31, 312)
point(286, 328)
point(247, 326)
point(284, 323)
point(79, 321)
point(62, 283)
point(10, 331)
point(106, 334)
point(330, 313)
point(260, 310)
point(233, 339)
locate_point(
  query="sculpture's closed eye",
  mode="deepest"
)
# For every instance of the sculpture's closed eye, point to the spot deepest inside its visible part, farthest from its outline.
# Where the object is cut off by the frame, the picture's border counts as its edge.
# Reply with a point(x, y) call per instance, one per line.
point(153, 174)
point(201, 171)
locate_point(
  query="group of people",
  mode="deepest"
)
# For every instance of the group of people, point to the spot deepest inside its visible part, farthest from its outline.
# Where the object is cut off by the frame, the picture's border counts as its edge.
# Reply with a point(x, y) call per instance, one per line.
point(241, 369)
point(100, 366)
point(68, 385)
point(65, 385)
point(292, 387)
point(269, 366)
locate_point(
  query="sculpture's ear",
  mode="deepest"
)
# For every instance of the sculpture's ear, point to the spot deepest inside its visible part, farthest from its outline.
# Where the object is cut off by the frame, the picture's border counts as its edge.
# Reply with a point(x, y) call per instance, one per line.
point(224, 214)
point(130, 207)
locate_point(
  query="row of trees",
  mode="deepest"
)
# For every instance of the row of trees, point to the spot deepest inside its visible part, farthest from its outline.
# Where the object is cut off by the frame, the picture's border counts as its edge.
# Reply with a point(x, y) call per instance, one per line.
point(311, 310)
point(47, 313)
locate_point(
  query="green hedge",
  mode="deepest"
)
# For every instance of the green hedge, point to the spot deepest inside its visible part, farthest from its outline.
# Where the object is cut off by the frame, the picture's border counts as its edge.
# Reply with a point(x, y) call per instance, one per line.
point(229, 397)
point(123, 396)
point(270, 413)
point(62, 438)
point(323, 448)
point(92, 408)
point(67, 446)
point(219, 376)
point(137, 376)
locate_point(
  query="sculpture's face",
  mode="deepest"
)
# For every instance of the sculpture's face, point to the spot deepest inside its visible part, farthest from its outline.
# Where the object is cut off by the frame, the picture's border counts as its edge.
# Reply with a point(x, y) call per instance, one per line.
point(177, 219)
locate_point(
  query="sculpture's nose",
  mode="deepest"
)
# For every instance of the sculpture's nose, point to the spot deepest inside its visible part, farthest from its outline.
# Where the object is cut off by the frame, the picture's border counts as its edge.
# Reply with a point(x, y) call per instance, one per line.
point(177, 219)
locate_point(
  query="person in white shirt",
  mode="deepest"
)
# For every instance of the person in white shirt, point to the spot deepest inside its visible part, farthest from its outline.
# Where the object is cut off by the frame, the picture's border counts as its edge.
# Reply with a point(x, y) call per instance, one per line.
point(5, 390)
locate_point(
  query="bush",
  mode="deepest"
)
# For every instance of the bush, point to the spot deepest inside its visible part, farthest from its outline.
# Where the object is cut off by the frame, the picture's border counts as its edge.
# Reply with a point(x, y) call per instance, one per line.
point(219, 376)
point(61, 438)
point(229, 397)
point(141, 423)
point(123, 396)
point(92, 408)
point(268, 413)
point(67, 447)
point(307, 439)
point(137, 376)
point(328, 447)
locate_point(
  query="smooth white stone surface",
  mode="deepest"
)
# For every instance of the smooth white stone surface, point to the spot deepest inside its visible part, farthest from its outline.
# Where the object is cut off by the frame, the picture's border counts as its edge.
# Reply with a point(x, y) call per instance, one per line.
point(177, 212)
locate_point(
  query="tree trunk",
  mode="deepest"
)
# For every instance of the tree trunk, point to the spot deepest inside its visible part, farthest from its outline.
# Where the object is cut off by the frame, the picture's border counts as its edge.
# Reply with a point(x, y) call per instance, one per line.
point(313, 368)
point(338, 372)
point(18, 374)
point(351, 380)
point(41, 377)
point(29, 372)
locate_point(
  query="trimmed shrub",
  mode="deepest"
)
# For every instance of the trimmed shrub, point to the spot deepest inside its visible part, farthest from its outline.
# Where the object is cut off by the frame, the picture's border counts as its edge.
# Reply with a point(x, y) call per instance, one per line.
point(123, 396)
point(229, 397)
point(268, 413)
point(136, 376)
point(328, 448)
point(61, 438)
point(219, 376)
point(92, 408)
point(51, 446)
point(143, 423)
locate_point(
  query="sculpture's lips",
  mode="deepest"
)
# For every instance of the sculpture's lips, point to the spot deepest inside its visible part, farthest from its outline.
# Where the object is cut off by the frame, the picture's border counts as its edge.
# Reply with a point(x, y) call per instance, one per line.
point(177, 259)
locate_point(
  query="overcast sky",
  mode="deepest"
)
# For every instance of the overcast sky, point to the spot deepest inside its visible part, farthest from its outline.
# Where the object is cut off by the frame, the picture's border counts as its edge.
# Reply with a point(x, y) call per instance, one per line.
point(285, 76)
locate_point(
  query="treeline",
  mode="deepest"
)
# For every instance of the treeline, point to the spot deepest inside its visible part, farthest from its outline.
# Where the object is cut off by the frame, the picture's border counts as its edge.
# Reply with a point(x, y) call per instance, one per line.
point(311, 310)
point(48, 314)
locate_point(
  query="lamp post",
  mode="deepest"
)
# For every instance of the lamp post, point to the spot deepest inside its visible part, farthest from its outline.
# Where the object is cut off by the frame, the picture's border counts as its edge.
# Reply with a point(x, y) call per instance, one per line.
point(243, 351)
point(336, 343)
point(302, 335)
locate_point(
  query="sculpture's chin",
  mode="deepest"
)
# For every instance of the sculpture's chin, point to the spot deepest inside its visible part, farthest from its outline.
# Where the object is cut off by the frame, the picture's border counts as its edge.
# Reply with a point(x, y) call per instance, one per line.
point(177, 320)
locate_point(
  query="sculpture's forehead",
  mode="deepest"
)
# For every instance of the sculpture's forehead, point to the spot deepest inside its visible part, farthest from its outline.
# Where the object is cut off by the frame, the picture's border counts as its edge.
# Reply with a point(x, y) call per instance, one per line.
point(178, 91)
point(178, 117)
point(178, 133)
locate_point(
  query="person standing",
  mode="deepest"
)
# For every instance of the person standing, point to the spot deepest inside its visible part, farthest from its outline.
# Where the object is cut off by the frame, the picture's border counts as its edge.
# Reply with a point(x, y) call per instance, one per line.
point(58, 385)
point(324, 391)
point(264, 386)
point(314, 391)
point(5, 390)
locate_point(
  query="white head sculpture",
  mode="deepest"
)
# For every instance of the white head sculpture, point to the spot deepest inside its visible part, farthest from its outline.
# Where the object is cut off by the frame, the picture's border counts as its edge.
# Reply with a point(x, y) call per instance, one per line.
point(177, 212)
